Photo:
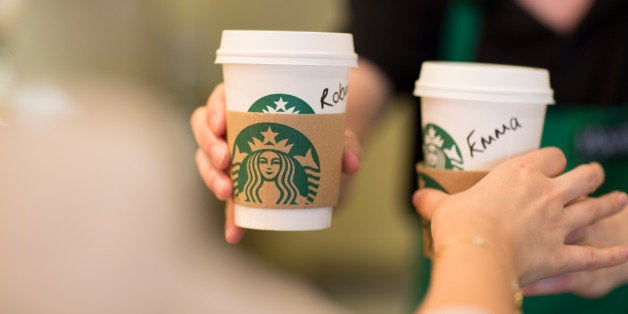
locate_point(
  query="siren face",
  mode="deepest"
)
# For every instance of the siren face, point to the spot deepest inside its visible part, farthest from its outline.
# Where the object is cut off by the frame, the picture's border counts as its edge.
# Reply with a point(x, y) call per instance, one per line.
point(269, 164)
point(434, 157)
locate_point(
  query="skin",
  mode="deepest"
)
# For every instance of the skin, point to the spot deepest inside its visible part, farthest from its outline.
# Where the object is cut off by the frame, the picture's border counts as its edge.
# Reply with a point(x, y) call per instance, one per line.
point(527, 241)
point(560, 16)
point(541, 270)
point(590, 284)
point(560, 260)
point(213, 158)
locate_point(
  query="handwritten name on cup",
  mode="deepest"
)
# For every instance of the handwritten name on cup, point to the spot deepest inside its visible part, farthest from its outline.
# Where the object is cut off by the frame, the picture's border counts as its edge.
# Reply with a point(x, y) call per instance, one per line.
point(479, 145)
point(339, 95)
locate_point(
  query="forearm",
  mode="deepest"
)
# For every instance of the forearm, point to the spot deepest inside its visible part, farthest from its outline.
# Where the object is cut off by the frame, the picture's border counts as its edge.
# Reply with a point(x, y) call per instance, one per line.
point(471, 277)
point(369, 92)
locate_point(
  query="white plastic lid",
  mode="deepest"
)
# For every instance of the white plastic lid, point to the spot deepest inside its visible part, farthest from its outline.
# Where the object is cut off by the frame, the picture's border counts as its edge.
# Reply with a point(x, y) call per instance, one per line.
point(484, 82)
point(288, 48)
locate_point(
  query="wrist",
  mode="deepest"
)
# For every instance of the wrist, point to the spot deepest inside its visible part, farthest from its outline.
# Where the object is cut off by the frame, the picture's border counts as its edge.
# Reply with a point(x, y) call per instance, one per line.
point(481, 261)
point(480, 232)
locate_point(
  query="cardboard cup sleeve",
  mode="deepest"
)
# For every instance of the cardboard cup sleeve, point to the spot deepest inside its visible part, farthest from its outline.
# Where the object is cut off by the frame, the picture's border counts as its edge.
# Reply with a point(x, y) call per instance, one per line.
point(285, 161)
point(449, 181)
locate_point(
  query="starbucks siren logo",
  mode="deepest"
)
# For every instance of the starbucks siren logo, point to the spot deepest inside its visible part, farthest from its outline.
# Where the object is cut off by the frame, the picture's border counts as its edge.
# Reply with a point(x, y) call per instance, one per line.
point(281, 103)
point(440, 150)
point(274, 163)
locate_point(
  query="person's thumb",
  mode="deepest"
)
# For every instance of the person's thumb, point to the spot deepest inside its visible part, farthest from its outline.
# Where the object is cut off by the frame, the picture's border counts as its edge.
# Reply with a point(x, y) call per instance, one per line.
point(551, 285)
point(352, 153)
point(426, 201)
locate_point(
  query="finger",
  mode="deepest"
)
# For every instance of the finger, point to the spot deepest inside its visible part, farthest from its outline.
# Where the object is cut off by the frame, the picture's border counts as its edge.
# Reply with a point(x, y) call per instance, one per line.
point(580, 181)
point(217, 181)
point(426, 201)
point(552, 285)
point(213, 147)
point(350, 162)
point(578, 258)
point(550, 161)
point(591, 210)
point(216, 106)
point(233, 233)
point(577, 199)
point(352, 153)
point(200, 126)
point(576, 236)
point(588, 284)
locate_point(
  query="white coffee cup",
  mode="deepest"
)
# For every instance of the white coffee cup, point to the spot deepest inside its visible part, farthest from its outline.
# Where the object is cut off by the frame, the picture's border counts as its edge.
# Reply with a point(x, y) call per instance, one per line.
point(475, 115)
point(282, 72)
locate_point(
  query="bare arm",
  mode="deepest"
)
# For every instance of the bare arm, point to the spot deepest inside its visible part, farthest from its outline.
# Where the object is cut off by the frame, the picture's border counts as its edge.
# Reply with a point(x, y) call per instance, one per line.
point(369, 92)
point(523, 212)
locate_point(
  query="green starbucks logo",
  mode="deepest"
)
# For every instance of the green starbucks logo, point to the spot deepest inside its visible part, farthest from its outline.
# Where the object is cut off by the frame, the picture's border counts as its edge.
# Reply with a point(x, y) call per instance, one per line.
point(440, 150)
point(274, 164)
point(281, 103)
point(426, 181)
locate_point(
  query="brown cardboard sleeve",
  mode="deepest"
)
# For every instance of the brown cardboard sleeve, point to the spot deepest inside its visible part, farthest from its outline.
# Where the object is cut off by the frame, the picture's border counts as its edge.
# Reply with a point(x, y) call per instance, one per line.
point(449, 181)
point(452, 181)
point(326, 134)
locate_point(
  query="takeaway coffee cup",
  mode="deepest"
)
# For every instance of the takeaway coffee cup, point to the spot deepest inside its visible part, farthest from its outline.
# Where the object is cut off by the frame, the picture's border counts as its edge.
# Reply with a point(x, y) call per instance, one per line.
point(475, 116)
point(286, 96)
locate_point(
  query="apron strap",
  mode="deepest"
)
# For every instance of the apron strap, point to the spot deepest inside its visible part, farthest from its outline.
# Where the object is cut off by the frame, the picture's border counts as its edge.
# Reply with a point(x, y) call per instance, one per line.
point(462, 28)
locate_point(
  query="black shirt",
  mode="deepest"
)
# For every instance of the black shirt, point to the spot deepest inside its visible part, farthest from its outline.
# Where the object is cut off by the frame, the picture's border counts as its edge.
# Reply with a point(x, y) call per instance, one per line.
point(588, 66)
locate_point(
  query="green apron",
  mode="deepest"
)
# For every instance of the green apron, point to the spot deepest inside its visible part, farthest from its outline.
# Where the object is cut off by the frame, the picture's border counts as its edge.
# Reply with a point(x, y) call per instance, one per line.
point(584, 133)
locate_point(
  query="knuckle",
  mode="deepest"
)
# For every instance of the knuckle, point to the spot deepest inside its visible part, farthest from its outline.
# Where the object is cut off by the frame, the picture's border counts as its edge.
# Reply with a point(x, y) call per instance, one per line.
point(205, 143)
point(593, 291)
point(599, 171)
point(557, 156)
point(590, 214)
point(551, 195)
point(222, 188)
point(216, 99)
point(590, 259)
point(198, 157)
point(592, 175)
point(194, 117)
point(561, 159)
point(522, 169)
point(560, 261)
point(616, 202)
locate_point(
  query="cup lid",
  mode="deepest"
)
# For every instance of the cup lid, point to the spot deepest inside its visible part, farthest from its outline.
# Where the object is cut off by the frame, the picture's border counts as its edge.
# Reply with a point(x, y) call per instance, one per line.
point(286, 47)
point(484, 82)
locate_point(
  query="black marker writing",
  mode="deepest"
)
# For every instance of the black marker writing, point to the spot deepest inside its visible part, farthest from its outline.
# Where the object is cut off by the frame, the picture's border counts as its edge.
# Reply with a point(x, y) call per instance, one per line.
point(336, 97)
point(484, 142)
point(323, 102)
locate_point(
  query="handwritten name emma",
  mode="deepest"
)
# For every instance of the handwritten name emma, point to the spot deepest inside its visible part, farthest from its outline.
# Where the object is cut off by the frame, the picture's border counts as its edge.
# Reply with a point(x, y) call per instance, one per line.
point(479, 145)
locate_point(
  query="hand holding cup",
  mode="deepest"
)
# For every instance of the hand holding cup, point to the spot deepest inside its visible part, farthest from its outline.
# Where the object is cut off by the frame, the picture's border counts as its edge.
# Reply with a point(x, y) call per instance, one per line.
point(527, 209)
point(214, 157)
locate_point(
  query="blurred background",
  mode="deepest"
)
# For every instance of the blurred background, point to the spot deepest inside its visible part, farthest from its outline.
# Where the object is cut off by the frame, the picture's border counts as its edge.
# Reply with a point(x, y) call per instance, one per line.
point(101, 208)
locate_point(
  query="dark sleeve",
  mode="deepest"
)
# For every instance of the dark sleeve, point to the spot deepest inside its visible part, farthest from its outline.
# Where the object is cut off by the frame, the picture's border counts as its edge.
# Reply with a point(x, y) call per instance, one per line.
point(397, 35)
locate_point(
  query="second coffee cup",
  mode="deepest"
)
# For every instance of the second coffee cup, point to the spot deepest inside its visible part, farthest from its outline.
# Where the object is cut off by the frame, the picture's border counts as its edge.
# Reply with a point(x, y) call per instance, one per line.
point(474, 116)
